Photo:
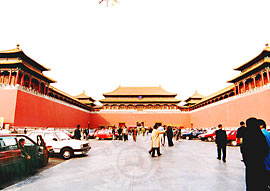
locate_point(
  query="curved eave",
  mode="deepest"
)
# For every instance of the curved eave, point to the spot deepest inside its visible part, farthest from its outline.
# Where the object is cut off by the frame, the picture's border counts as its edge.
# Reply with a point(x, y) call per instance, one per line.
point(19, 53)
point(262, 55)
point(217, 94)
point(250, 71)
point(40, 74)
point(20, 63)
point(139, 91)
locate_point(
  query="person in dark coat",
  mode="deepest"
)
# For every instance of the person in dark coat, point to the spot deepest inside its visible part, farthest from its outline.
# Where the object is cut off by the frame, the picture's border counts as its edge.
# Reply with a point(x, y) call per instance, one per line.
point(170, 136)
point(240, 136)
point(221, 141)
point(77, 133)
point(255, 151)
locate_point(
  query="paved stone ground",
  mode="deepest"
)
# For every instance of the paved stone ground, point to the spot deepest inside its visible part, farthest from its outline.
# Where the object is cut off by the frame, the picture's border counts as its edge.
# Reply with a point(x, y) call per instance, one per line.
point(116, 165)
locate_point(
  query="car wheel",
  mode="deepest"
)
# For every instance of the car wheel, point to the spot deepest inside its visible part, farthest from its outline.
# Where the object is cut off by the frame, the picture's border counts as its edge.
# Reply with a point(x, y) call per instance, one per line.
point(187, 137)
point(97, 138)
point(234, 143)
point(67, 153)
point(209, 139)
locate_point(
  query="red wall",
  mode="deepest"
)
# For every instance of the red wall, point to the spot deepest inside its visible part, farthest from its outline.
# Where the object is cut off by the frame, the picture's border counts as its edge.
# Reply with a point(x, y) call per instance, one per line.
point(149, 119)
point(23, 109)
point(7, 104)
point(231, 111)
point(35, 111)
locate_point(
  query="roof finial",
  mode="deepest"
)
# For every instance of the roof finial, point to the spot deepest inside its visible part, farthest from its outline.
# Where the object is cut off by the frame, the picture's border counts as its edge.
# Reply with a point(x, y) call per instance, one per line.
point(83, 91)
point(267, 47)
point(18, 47)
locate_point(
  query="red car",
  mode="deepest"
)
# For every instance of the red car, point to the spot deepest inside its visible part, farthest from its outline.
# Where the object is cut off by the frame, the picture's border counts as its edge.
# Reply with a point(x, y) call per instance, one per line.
point(103, 134)
point(209, 136)
point(231, 137)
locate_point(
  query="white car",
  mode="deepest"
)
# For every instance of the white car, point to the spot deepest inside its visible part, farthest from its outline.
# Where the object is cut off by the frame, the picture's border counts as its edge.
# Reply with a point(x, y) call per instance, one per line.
point(62, 143)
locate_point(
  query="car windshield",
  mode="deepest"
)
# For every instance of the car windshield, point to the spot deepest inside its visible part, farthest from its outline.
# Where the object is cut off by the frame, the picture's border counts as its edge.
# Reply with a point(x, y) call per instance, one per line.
point(62, 136)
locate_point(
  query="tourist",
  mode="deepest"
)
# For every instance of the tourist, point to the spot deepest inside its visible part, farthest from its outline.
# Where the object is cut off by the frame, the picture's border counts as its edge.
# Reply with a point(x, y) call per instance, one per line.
point(221, 141)
point(135, 132)
point(143, 131)
point(125, 133)
point(120, 130)
point(155, 143)
point(170, 136)
point(113, 132)
point(240, 135)
point(162, 136)
point(27, 166)
point(77, 133)
point(267, 158)
point(25, 130)
point(255, 151)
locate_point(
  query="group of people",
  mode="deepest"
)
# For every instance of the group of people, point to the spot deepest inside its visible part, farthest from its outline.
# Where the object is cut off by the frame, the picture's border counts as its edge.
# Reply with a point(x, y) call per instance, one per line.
point(255, 149)
point(123, 132)
point(158, 138)
point(254, 142)
point(78, 133)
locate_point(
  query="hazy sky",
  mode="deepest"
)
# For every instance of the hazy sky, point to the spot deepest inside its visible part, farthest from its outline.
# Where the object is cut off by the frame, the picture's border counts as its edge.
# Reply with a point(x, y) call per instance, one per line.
point(181, 45)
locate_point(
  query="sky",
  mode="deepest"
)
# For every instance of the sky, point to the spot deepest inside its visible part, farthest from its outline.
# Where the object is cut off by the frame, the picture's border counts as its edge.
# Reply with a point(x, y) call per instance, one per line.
point(180, 45)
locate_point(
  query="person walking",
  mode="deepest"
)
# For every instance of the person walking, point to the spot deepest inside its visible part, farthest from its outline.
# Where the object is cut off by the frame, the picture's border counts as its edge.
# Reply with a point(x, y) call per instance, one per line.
point(120, 130)
point(255, 151)
point(113, 132)
point(262, 125)
point(169, 133)
point(77, 133)
point(240, 136)
point(134, 134)
point(162, 136)
point(125, 133)
point(221, 141)
point(155, 143)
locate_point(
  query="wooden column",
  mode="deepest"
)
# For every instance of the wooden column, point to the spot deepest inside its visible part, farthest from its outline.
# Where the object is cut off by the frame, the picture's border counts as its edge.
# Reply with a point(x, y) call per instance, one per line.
point(17, 77)
point(22, 80)
point(244, 85)
point(267, 73)
point(9, 78)
point(30, 81)
point(48, 89)
point(254, 81)
point(234, 89)
point(262, 79)
point(39, 86)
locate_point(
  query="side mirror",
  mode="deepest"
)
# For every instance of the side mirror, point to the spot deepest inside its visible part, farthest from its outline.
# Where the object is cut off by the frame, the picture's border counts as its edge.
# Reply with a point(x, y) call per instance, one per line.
point(54, 139)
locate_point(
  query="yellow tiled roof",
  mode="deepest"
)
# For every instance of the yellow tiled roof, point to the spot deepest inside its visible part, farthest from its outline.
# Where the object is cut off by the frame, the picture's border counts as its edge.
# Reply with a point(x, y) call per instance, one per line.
point(142, 100)
point(217, 94)
point(18, 50)
point(30, 68)
point(252, 68)
point(139, 91)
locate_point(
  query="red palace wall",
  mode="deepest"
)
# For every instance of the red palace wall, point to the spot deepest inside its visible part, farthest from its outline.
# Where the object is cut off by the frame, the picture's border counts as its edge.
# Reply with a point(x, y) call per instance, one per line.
point(23, 109)
point(130, 119)
point(231, 111)
point(7, 104)
point(34, 111)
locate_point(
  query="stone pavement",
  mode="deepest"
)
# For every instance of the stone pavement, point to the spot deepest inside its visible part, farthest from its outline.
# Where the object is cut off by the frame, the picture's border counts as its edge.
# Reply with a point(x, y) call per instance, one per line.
point(117, 165)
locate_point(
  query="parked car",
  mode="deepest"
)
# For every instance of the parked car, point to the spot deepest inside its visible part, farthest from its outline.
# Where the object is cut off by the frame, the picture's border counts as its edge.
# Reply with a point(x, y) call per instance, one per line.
point(209, 136)
point(62, 144)
point(103, 134)
point(11, 161)
point(231, 137)
point(192, 134)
